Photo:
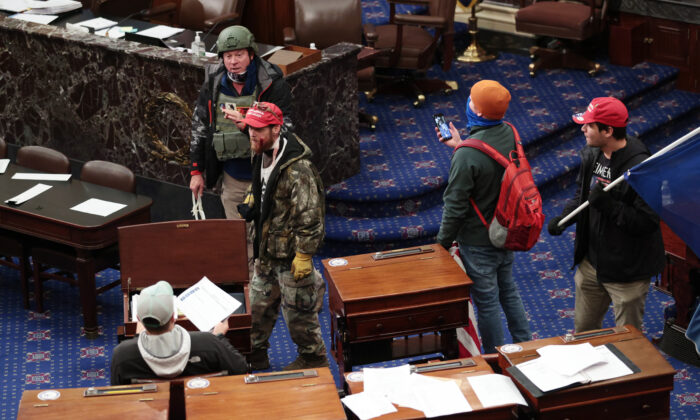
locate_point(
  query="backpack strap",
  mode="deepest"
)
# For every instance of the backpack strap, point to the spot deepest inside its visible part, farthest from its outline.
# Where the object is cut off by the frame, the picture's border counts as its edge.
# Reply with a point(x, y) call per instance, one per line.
point(495, 155)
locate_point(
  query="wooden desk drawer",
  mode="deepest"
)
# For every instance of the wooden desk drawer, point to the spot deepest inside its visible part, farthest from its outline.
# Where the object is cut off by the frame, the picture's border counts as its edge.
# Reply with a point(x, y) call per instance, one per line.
point(644, 406)
point(409, 321)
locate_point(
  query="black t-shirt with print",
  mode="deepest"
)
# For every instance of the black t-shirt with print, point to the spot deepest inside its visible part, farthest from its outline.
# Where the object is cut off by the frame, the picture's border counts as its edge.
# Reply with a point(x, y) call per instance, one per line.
point(601, 173)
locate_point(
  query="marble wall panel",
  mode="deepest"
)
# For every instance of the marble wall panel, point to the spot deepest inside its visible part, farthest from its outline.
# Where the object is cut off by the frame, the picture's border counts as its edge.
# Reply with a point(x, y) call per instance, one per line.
point(97, 98)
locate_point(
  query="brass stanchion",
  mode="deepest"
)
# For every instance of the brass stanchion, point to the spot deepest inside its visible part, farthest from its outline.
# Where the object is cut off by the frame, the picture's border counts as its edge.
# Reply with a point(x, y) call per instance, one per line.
point(474, 53)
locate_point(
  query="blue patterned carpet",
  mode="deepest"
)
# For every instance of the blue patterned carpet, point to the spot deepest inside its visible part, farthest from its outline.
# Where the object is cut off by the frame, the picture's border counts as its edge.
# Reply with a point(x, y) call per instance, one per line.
point(394, 202)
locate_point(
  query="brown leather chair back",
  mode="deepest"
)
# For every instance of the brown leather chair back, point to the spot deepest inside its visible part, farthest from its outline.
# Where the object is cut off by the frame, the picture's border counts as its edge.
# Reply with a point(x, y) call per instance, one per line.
point(108, 174)
point(328, 22)
point(3, 148)
point(577, 20)
point(193, 13)
point(121, 8)
point(43, 159)
point(446, 9)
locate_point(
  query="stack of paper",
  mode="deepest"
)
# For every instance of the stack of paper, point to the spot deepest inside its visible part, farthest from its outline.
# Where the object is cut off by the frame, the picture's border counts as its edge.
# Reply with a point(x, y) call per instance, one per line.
point(561, 366)
point(46, 7)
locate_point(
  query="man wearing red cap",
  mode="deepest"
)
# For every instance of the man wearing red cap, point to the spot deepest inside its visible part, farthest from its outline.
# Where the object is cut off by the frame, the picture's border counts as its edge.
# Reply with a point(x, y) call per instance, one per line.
point(474, 175)
point(288, 210)
point(618, 246)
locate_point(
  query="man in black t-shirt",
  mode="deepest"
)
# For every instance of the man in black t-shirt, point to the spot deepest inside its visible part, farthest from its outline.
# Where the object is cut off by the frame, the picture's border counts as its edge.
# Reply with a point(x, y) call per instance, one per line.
point(618, 246)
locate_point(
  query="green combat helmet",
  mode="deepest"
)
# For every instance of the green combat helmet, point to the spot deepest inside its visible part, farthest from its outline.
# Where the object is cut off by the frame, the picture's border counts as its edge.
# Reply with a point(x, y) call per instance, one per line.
point(235, 38)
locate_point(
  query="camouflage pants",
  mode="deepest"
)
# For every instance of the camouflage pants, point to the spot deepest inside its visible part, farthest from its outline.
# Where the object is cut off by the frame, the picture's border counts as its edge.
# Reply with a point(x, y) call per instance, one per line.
point(300, 300)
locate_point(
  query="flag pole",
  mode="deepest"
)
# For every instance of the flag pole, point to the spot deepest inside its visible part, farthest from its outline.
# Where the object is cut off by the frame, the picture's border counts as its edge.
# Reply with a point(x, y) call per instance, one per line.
point(622, 177)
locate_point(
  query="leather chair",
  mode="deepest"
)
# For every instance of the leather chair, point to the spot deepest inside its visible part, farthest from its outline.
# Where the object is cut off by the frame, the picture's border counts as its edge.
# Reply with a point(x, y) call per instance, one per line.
point(567, 21)
point(326, 23)
point(15, 245)
point(64, 258)
point(413, 47)
point(141, 9)
point(206, 15)
point(43, 159)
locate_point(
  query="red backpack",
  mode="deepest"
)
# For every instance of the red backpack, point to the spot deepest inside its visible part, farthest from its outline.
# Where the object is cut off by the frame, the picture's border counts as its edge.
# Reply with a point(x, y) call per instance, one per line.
point(518, 218)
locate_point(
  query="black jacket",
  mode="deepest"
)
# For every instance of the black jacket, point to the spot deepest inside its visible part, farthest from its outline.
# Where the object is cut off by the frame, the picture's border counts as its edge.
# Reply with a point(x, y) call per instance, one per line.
point(628, 242)
point(211, 354)
point(273, 89)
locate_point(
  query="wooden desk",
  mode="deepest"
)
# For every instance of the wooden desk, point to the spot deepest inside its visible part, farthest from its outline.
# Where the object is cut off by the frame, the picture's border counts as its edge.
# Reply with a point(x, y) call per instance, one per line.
point(374, 300)
point(72, 405)
point(230, 397)
point(48, 216)
point(459, 374)
point(645, 394)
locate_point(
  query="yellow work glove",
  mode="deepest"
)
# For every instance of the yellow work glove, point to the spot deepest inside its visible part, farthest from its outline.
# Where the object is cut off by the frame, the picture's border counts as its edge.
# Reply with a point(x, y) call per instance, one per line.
point(249, 200)
point(301, 266)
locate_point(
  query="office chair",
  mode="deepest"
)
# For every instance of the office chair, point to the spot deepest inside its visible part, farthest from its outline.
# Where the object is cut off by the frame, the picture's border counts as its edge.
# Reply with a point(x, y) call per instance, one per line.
point(412, 47)
point(43, 159)
point(326, 23)
point(210, 15)
point(12, 245)
point(570, 23)
point(140, 9)
point(64, 258)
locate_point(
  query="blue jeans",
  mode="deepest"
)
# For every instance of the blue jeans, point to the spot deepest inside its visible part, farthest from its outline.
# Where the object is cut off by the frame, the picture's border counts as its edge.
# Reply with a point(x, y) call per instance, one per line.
point(491, 270)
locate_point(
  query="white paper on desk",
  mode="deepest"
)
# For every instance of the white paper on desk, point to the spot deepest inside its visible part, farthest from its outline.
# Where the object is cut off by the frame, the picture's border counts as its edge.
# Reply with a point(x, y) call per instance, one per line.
point(97, 23)
point(367, 406)
point(29, 194)
point(494, 389)
point(206, 304)
point(570, 359)
point(31, 17)
point(612, 366)
point(99, 207)
point(160, 31)
point(382, 381)
point(41, 176)
point(40, 7)
point(441, 398)
point(3, 165)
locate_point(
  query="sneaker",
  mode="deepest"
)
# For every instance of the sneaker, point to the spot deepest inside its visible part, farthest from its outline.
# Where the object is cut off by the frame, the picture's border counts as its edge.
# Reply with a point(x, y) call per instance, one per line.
point(258, 359)
point(307, 361)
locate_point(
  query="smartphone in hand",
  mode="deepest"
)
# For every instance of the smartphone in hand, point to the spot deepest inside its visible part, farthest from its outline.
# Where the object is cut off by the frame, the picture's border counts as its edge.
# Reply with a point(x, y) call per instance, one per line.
point(441, 124)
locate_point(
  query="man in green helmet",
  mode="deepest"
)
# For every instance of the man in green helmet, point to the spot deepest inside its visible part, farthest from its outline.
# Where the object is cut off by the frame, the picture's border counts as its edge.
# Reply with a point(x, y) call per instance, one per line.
point(220, 142)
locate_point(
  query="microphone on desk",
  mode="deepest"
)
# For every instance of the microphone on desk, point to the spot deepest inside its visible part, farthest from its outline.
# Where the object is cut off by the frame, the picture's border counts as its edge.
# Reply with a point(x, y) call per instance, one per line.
point(135, 14)
point(211, 30)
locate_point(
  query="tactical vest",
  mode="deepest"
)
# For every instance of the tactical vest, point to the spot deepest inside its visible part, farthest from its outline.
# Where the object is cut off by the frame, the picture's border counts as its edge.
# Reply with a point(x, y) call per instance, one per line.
point(229, 142)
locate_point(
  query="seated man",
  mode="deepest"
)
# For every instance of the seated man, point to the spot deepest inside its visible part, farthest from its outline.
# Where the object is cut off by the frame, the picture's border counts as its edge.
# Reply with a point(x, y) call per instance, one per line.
point(165, 350)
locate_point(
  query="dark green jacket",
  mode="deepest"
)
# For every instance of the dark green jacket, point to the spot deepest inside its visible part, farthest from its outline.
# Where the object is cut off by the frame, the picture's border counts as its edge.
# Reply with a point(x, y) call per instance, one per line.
point(475, 175)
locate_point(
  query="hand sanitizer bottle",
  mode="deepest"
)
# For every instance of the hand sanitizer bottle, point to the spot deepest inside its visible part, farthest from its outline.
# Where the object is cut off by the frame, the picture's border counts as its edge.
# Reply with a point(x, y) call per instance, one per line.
point(312, 45)
point(198, 47)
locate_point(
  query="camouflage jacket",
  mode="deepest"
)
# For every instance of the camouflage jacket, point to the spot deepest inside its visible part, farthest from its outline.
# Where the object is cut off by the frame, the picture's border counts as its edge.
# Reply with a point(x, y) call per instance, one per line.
point(291, 218)
point(273, 88)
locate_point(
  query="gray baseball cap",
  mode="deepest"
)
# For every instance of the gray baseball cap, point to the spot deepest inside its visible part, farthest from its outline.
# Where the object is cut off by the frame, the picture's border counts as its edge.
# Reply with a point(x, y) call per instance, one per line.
point(155, 305)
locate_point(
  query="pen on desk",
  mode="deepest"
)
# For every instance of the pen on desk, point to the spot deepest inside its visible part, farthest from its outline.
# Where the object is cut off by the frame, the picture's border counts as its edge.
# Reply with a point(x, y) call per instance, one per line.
point(41, 405)
point(209, 393)
point(145, 399)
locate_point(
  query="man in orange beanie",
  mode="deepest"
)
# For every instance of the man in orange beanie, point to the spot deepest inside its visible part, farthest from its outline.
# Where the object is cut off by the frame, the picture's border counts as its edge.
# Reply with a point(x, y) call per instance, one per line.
point(474, 175)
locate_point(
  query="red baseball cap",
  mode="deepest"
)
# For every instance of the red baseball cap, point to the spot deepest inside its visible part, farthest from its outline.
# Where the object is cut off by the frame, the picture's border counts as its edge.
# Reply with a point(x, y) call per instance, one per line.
point(262, 114)
point(606, 110)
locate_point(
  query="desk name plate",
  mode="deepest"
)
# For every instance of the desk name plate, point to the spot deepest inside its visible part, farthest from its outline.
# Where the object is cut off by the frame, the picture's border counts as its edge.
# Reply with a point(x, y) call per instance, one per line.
point(280, 376)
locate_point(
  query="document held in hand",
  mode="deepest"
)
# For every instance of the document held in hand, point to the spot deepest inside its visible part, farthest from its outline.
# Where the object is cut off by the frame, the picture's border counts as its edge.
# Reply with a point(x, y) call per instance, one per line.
point(206, 304)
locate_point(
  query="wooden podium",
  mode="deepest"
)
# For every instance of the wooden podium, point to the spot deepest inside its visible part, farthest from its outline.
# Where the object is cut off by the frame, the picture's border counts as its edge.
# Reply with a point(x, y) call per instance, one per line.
point(644, 394)
point(181, 253)
point(411, 293)
point(473, 366)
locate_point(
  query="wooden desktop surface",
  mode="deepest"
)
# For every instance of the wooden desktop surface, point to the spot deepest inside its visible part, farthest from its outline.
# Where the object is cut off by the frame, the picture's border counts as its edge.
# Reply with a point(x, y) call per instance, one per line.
point(641, 395)
point(49, 216)
point(230, 397)
point(72, 405)
point(459, 375)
